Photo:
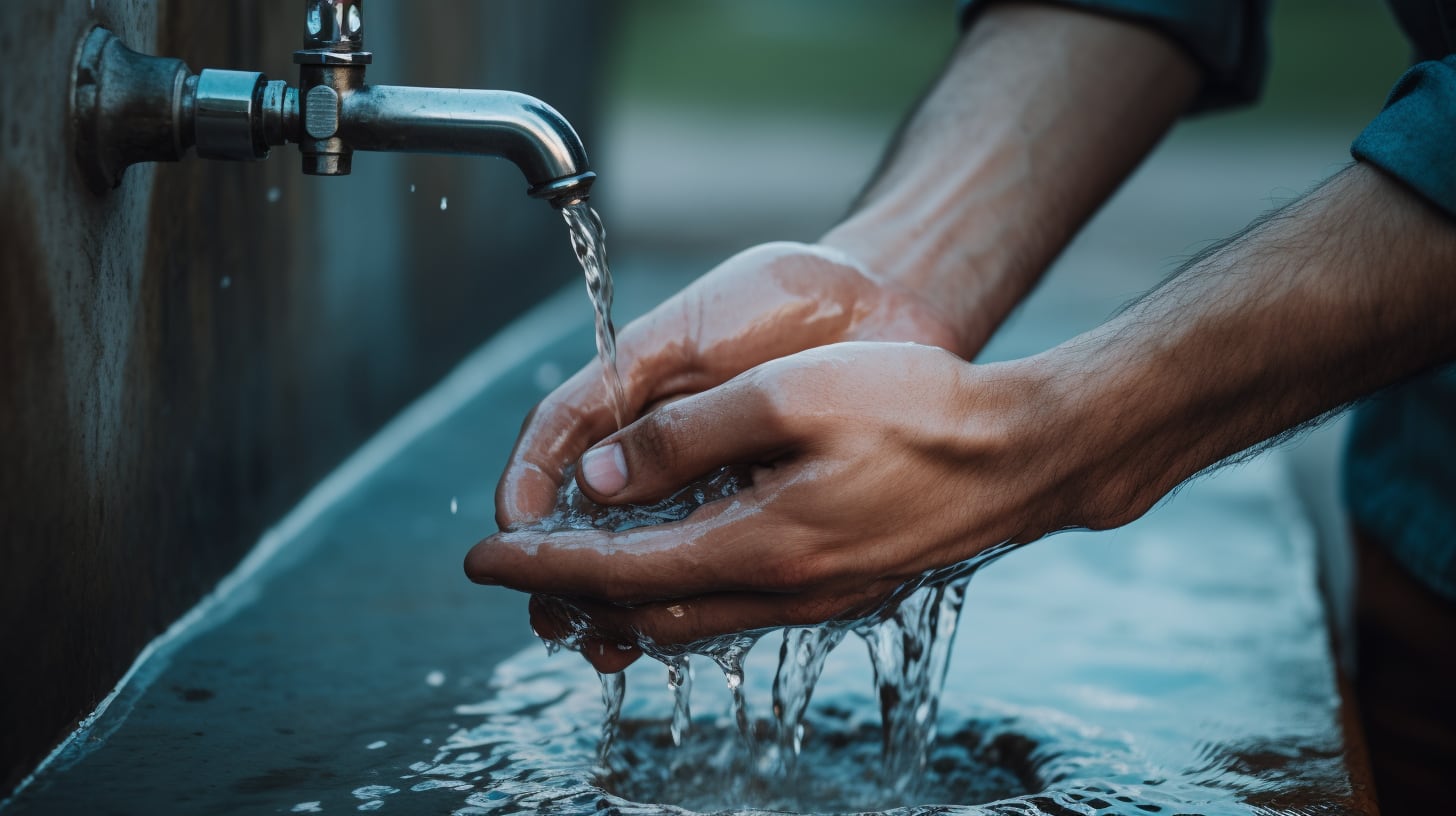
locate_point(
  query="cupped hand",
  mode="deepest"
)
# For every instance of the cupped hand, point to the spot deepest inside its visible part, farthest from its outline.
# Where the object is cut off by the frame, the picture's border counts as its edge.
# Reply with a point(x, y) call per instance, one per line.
point(767, 302)
point(873, 463)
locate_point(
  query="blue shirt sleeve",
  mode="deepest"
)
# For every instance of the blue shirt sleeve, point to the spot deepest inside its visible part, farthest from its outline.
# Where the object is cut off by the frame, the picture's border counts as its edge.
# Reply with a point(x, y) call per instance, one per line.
point(1414, 137)
point(1229, 39)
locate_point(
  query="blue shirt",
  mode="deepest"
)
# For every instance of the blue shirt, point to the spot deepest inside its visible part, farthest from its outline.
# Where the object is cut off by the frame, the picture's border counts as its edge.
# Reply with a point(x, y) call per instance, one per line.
point(1400, 470)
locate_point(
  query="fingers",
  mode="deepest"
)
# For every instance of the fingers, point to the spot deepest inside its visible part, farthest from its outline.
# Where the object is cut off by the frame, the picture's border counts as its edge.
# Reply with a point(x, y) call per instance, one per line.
point(760, 305)
point(552, 437)
point(686, 623)
point(739, 422)
point(735, 544)
point(552, 620)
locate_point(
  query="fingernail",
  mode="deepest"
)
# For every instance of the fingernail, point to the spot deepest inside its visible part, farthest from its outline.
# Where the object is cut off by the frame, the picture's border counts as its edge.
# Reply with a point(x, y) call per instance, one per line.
point(605, 469)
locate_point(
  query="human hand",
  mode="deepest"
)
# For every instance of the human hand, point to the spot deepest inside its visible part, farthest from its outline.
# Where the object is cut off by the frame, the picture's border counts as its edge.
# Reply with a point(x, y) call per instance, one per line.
point(873, 463)
point(764, 303)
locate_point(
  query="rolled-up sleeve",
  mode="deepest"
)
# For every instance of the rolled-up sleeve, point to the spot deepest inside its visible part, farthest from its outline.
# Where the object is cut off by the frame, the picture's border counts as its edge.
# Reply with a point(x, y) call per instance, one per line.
point(1229, 39)
point(1414, 137)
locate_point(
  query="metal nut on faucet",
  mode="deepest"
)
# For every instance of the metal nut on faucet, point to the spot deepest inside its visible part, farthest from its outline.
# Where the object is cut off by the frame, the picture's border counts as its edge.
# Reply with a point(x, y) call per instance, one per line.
point(336, 25)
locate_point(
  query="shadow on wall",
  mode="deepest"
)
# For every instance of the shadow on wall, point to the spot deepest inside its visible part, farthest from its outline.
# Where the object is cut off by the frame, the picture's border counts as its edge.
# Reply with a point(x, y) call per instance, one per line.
point(182, 358)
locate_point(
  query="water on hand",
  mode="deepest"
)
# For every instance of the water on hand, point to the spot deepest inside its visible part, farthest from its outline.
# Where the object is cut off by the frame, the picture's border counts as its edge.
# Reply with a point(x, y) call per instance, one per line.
point(908, 636)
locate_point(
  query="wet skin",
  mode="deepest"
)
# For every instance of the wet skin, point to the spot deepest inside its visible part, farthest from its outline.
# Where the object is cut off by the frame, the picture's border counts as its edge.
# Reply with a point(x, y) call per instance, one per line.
point(877, 458)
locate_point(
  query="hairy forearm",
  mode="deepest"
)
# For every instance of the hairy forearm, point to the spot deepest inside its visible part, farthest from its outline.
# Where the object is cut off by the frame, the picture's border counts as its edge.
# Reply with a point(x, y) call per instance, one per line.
point(1039, 116)
point(1332, 298)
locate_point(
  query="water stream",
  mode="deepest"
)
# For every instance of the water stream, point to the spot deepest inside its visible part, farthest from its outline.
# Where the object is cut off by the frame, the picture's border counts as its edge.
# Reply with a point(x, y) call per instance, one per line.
point(589, 242)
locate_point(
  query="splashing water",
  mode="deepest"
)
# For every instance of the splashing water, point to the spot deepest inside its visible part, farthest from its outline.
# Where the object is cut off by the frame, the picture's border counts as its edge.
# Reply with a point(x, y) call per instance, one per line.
point(536, 756)
point(908, 636)
point(589, 241)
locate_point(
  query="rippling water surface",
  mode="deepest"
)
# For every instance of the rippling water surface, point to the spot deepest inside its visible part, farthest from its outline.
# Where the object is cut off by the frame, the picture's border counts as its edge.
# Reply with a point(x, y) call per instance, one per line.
point(535, 748)
point(1175, 699)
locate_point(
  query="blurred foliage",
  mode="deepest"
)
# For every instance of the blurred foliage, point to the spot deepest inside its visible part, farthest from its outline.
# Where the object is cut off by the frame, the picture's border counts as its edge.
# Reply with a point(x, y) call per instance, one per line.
point(1333, 60)
point(811, 56)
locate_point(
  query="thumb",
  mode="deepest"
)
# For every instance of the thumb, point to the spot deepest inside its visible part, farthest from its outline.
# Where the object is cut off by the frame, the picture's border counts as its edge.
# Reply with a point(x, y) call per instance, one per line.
point(735, 423)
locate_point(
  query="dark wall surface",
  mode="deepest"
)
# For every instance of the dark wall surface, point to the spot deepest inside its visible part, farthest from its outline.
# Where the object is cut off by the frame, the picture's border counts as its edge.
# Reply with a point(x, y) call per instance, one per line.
point(181, 359)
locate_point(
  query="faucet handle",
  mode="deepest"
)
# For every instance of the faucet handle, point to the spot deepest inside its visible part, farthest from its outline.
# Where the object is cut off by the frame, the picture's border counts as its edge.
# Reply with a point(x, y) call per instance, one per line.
point(334, 25)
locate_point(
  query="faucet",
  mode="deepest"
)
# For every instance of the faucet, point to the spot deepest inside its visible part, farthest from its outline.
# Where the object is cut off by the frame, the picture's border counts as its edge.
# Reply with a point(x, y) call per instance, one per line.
point(129, 108)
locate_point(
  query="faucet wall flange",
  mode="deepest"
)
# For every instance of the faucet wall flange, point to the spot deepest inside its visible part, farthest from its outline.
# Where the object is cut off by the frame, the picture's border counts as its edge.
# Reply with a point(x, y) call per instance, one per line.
point(126, 108)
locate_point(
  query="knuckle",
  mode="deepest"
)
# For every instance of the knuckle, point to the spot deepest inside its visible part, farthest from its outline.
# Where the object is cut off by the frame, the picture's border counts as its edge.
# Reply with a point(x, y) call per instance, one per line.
point(772, 399)
point(653, 442)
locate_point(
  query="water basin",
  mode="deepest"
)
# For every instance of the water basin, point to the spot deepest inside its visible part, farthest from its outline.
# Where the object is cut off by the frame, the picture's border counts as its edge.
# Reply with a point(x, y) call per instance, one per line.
point(1179, 665)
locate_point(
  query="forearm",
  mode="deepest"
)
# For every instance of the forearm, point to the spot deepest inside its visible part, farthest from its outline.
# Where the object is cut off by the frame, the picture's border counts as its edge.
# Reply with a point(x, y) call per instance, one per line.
point(1335, 297)
point(1040, 115)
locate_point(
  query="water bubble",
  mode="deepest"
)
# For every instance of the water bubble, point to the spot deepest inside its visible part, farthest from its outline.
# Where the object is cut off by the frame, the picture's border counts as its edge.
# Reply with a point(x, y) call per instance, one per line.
point(435, 678)
point(275, 194)
point(454, 506)
point(376, 745)
point(444, 203)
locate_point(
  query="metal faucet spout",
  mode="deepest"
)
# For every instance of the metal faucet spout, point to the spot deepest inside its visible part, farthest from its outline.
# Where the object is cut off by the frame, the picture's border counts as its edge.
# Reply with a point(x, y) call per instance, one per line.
point(514, 126)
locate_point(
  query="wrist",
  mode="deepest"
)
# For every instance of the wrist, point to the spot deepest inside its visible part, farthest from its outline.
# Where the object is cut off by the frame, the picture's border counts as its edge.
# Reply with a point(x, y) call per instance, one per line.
point(1095, 425)
point(973, 276)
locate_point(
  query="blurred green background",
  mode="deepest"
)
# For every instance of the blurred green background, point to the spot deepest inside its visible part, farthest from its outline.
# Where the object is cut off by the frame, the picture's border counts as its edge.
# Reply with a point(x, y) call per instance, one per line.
point(1333, 60)
point(782, 109)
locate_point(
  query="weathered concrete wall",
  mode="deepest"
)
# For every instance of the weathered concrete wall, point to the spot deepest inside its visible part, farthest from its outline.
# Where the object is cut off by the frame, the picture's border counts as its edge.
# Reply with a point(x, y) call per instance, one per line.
point(182, 358)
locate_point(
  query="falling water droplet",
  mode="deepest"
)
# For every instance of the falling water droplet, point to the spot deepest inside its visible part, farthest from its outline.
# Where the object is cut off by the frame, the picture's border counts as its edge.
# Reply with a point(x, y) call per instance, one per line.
point(275, 195)
point(435, 678)
point(444, 203)
point(412, 188)
point(680, 684)
point(225, 282)
point(454, 506)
